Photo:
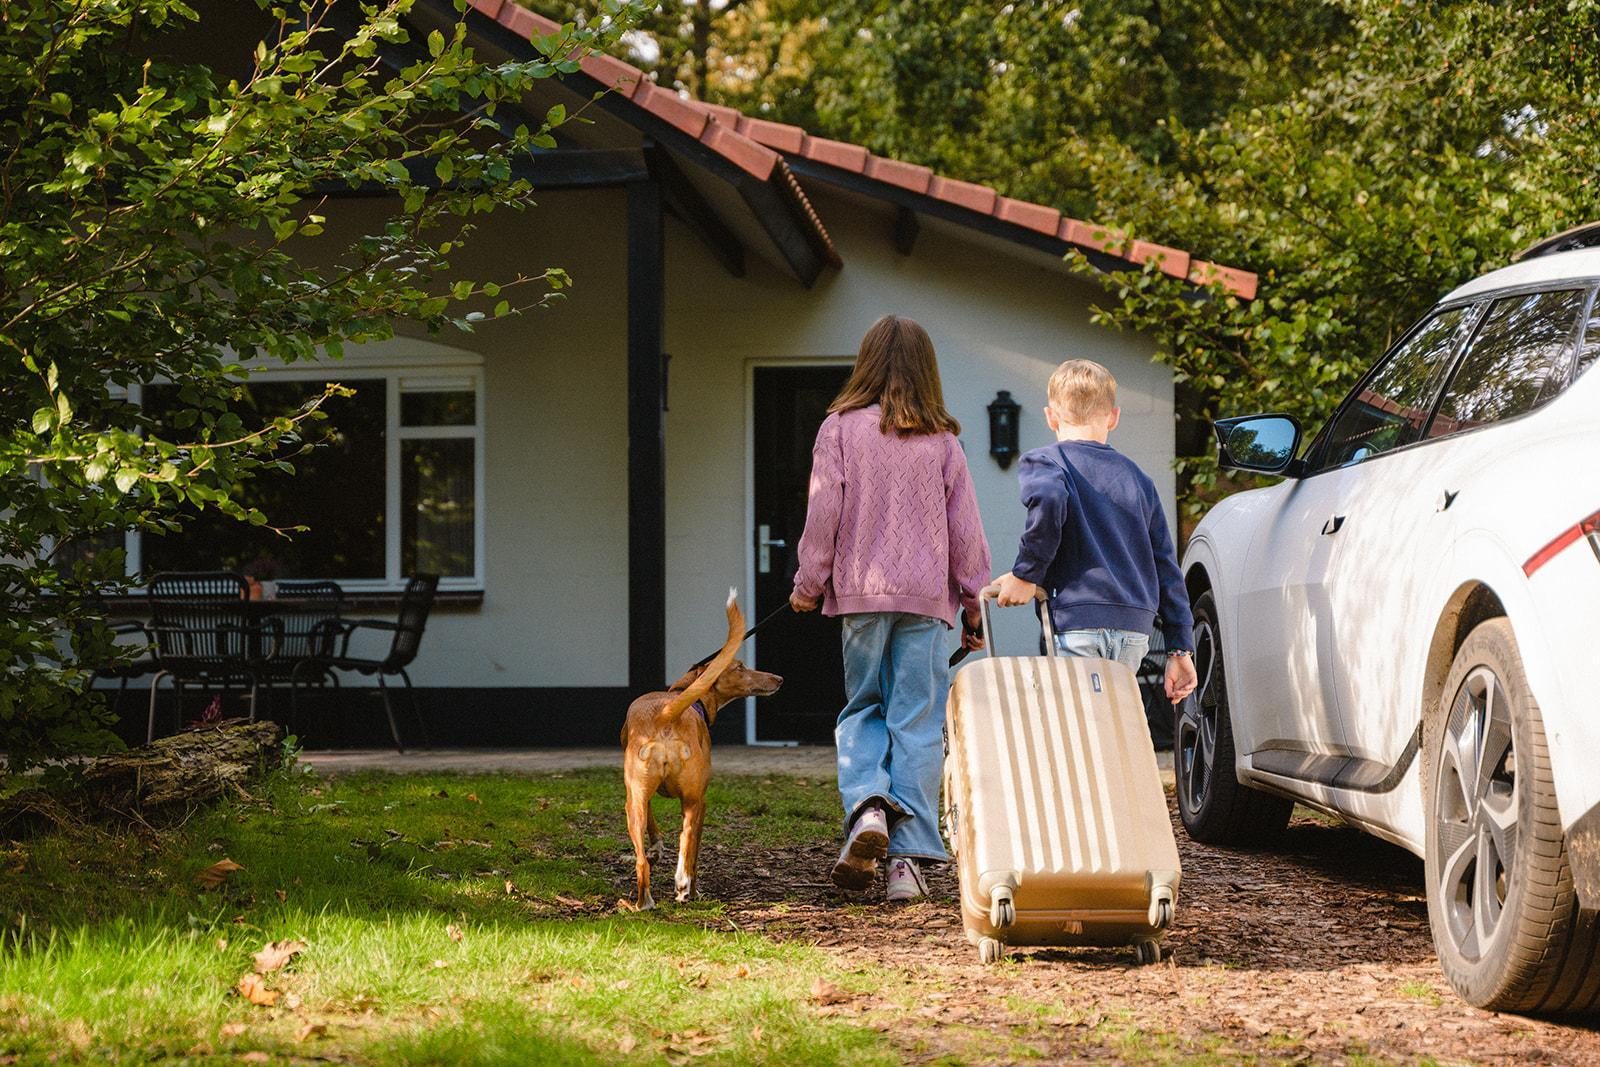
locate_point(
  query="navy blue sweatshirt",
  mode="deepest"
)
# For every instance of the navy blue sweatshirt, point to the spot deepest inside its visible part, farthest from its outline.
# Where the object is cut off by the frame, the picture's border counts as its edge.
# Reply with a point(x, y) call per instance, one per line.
point(1097, 542)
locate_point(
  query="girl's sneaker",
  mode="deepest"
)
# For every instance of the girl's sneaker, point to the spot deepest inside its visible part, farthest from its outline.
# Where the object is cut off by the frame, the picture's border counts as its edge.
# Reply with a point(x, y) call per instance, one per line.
point(905, 880)
point(867, 844)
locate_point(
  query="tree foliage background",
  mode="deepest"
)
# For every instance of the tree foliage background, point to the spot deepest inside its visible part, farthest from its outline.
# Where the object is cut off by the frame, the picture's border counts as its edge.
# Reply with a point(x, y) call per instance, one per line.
point(161, 220)
point(1362, 156)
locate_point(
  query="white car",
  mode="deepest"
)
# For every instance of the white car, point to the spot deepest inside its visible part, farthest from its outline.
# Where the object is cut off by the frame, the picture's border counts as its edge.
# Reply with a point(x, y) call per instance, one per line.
point(1405, 631)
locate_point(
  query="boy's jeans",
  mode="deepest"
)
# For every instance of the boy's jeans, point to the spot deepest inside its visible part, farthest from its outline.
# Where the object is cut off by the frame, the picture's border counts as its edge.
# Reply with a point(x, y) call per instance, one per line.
point(891, 732)
point(1127, 647)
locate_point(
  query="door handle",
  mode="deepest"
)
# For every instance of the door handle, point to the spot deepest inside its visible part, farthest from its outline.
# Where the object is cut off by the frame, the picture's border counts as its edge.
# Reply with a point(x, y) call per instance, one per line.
point(1333, 525)
point(765, 543)
point(1448, 499)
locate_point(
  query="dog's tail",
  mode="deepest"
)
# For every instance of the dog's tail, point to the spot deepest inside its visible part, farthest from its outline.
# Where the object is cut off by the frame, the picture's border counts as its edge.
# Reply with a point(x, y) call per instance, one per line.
point(719, 663)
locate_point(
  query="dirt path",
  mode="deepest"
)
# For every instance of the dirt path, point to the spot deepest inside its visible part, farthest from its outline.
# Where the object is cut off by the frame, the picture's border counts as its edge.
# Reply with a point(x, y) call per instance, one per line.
point(1318, 951)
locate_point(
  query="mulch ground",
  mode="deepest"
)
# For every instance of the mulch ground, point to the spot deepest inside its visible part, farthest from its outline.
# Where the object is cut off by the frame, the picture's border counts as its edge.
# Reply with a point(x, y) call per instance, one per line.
point(1318, 951)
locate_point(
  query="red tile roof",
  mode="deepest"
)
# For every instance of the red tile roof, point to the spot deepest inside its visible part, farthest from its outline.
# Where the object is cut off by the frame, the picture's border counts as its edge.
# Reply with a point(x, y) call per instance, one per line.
point(754, 145)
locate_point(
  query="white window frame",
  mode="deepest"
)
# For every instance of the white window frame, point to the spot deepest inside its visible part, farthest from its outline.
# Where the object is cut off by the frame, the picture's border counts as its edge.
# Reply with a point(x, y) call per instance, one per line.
point(440, 372)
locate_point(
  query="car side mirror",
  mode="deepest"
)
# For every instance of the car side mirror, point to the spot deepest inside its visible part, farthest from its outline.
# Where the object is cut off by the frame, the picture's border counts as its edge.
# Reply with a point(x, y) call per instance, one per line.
point(1263, 443)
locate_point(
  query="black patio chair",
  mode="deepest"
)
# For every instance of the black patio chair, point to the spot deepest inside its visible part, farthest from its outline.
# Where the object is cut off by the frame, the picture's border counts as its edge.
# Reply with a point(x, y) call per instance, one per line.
point(306, 632)
point(146, 662)
point(202, 630)
point(407, 629)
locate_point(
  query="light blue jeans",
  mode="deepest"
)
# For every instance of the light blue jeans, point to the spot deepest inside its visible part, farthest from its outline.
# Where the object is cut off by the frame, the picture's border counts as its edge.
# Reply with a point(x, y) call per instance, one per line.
point(1127, 647)
point(890, 734)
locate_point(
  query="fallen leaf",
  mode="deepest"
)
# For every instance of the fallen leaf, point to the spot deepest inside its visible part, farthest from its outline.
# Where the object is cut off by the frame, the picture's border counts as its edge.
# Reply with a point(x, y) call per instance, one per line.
point(439, 964)
point(214, 875)
point(544, 802)
point(231, 1029)
point(443, 793)
point(310, 1030)
point(510, 889)
point(256, 1056)
point(276, 954)
point(742, 971)
point(283, 897)
point(222, 944)
point(253, 989)
point(627, 1044)
point(569, 902)
point(473, 798)
point(825, 992)
point(291, 1001)
point(454, 933)
point(756, 1033)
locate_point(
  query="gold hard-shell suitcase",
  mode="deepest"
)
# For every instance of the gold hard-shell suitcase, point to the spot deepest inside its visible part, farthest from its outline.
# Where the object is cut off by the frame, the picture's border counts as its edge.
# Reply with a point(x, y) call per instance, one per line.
point(1053, 804)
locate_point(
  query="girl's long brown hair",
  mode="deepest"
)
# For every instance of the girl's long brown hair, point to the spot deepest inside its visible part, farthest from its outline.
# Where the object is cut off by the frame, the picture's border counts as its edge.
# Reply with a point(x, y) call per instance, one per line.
point(897, 369)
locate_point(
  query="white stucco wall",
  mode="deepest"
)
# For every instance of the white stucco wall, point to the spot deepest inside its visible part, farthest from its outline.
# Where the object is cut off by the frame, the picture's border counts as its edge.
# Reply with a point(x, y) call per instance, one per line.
point(1001, 317)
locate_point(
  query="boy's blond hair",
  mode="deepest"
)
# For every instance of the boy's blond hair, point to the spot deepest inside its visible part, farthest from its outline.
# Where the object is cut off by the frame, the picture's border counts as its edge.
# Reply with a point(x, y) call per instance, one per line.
point(1081, 391)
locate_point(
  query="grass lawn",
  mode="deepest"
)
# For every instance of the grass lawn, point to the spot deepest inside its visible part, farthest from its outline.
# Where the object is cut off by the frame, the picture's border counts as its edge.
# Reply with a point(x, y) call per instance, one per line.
point(447, 919)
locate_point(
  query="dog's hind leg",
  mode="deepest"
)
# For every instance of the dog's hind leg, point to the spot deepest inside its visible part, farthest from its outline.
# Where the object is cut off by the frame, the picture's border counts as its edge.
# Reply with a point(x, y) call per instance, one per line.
point(638, 827)
point(657, 849)
point(694, 814)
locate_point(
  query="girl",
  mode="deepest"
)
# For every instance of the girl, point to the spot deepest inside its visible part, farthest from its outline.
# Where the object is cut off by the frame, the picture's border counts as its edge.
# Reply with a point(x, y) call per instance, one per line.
point(893, 542)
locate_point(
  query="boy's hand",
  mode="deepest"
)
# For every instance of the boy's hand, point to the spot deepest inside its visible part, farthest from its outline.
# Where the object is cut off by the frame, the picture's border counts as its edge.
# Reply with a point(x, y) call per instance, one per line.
point(1014, 591)
point(1181, 678)
point(802, 604)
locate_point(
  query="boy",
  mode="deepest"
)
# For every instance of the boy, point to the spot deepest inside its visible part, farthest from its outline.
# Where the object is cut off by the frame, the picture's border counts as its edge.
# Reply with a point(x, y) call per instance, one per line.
point(1096, 537)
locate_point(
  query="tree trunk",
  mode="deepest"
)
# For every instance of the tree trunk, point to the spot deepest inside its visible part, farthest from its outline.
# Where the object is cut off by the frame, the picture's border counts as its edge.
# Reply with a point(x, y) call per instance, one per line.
point(149, 783)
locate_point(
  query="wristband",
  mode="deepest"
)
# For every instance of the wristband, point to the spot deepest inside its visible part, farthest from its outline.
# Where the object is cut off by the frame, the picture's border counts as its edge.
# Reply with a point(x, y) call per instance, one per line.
point(1179, 652)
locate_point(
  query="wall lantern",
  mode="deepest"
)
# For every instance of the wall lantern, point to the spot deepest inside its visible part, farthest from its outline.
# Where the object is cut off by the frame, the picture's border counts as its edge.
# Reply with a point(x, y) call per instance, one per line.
point(1003, 413)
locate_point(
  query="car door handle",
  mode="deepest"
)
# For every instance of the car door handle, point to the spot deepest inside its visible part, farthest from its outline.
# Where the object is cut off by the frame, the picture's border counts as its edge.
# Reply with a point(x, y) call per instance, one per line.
point(1333, 525)
point(1447, 499)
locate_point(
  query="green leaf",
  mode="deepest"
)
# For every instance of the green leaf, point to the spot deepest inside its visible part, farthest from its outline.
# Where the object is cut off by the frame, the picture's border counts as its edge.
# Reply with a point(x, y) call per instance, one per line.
point(43, 420)
point(126, 479)
point(435, 44)
point(444, 170)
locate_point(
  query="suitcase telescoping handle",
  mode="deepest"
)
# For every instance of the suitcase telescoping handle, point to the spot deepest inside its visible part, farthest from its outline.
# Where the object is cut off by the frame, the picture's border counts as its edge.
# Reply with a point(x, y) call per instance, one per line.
point(991, 593)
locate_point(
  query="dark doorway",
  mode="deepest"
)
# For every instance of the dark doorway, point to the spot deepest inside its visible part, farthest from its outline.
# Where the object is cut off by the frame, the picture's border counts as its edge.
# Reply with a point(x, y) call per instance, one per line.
point(790, 404)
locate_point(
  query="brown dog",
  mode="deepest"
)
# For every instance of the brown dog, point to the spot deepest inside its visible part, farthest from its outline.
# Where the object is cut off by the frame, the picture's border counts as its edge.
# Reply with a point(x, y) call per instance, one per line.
point(666, 749)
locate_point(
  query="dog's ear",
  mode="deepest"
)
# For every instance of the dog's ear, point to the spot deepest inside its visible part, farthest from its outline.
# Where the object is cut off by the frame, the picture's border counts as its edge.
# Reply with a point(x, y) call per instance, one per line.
point(688, 679)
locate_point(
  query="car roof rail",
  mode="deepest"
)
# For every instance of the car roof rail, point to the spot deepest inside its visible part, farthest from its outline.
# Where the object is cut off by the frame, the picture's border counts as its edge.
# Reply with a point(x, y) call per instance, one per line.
point(1585, 236)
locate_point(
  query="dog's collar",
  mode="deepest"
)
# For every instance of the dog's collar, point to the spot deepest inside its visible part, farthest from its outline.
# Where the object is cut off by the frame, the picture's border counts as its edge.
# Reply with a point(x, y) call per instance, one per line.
point(704, 716)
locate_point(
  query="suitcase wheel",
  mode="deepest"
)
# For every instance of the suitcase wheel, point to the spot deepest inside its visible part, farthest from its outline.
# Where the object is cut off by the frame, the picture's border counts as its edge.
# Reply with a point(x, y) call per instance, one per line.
point(1163, 914)
point(1002, 910)
point(990, 951)
point(1148, 952)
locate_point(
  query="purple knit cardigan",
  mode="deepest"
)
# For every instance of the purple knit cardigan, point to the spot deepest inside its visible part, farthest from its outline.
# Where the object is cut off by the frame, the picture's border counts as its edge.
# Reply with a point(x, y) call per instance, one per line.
point(892, 523)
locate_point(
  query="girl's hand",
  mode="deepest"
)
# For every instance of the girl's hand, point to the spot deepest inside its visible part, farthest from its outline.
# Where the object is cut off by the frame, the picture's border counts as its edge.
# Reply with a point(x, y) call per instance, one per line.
point(802, 604)
point(971, 631)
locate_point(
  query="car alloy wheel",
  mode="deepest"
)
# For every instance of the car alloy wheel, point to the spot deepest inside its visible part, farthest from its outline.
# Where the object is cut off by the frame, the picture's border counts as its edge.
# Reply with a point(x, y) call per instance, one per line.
point(1475, 813)
point(1216, 808)
point(1501, 901)
point(1196, 741)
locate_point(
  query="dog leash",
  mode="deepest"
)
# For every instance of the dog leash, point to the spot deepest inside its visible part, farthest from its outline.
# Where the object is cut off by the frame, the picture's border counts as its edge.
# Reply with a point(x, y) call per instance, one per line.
point(779, 610)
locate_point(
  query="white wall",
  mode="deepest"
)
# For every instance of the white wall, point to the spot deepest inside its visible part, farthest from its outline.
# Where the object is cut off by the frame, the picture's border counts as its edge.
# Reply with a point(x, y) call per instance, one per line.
point(555, 605)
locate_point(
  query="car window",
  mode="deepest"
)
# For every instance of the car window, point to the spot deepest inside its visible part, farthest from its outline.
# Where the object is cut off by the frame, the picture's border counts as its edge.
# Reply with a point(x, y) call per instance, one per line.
point(1390, 407)
point(1517, 360)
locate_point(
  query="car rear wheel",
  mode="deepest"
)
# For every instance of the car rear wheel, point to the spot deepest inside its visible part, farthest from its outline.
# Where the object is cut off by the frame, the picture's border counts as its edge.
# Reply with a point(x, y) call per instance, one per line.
point(1505, 916)
point(1216, 808)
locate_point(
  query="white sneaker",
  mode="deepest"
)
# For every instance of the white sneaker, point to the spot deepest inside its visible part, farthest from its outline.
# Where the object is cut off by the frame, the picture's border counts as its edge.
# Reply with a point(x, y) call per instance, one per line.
point(867, 844)
point(905, 880)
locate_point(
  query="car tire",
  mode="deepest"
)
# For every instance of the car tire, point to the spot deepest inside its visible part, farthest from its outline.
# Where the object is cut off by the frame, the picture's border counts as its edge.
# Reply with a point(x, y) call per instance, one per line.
point(1515, 940)
point(1216, 808)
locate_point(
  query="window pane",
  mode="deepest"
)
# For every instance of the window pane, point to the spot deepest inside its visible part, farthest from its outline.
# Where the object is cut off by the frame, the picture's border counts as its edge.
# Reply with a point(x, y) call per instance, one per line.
point(439, 409)
point(1517, 351)
point(1391, 407)
point(436, 507)
point(337, 491)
